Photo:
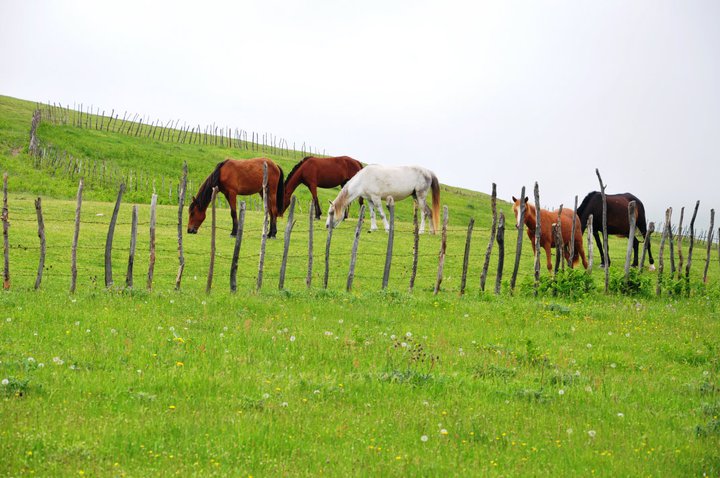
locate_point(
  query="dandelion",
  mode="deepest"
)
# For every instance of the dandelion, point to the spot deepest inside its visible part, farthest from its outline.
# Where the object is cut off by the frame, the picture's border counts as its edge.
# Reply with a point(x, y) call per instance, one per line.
point(340, 321)
point(591, 433)
point(706, 373)
point(203, 303)
point(328, 333)
point(403, 344)
point(589, 345)
point(31, 360)
point(316, 392)
point(41, 365)
point(58, 361)
point(172, 407)
point(266, 396)
point(621, 415)
point(292, 338)
point(393, 337)
point(561, 392)
point(613, 365)
point(5, 381)
point(569, 431)
point(179, 364)
point(284, 404)
point(408, 335)
point(588, 389)
point(424, 438)
point(443, 432)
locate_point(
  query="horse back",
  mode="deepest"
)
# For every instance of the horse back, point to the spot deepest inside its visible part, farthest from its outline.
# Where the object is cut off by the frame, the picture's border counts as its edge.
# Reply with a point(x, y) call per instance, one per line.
point(244, 177)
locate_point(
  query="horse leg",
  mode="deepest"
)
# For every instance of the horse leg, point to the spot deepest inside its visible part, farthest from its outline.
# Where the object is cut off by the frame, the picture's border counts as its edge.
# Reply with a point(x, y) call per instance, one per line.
point(379, 206)
point(421, 209)
point(231, 199)
point(579, 248)
point(313, 191)
point(636, 243)
point(596, 234)
point(373, 224)
point(548, 255)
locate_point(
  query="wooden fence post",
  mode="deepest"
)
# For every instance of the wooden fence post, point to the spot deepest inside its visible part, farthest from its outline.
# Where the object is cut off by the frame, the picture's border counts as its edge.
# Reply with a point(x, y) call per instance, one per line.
point(709, 244)
point(356, 243)
point(286, 246)
point(41, 235)
point(416, 247)
point(646, 245)
point(518, 246)
point(690, 248)
point(538, 231)
point(133, 242)
point(631, 238)
point(557, 238)
point(236, 249)
point(604, 252)
point(661, 262)
point(181, 204)
point(33, 149)
point(571, 259)
point(466, 257)
point(501, 251)
point(211, 269)
point(311, 226)
point(391, 237)
point(589, 232)
point(331, 218)
point(109, 240)
point(263, 239)
point(679, 244)
point(493, 232)
point(153, 219)
point(443, 250)
point(6, 241)
point(76, 236)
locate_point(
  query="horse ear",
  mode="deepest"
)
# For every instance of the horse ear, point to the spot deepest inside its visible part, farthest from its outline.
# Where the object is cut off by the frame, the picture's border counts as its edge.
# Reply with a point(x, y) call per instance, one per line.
point(514, 199)
point(331, 203)
point(526, 199)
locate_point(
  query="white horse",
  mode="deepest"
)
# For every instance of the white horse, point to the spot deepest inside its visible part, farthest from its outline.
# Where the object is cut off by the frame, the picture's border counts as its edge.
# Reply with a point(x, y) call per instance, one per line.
point(375, 183)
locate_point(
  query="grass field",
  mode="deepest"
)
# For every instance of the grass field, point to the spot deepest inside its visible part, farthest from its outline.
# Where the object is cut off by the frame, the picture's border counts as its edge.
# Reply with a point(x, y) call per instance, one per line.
point(323, 382)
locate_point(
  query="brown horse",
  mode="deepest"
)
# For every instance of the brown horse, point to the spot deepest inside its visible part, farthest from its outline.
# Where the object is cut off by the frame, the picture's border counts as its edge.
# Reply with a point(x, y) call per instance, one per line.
point(233, 178)
point(547, 241)
point(316, 173)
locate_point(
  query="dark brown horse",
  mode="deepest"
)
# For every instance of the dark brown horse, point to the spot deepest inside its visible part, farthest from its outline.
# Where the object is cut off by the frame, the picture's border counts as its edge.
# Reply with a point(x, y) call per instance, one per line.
point(233, 178)
point(547, 240)
point(618, 222)
point(320, 173)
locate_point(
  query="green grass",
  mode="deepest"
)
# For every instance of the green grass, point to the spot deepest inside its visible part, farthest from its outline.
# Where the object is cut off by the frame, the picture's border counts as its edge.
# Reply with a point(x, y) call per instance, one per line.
point(304, 381)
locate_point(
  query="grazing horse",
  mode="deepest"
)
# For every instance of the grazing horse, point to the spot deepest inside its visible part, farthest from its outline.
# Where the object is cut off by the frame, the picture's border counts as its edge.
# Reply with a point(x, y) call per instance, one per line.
point(316, 173)
point(233, 178)
point(547, 240)
point(375, 183)
point(618, 222)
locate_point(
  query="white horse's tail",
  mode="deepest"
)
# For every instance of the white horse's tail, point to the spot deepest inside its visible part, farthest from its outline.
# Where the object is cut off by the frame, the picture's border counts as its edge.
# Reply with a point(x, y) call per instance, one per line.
point(435, 202)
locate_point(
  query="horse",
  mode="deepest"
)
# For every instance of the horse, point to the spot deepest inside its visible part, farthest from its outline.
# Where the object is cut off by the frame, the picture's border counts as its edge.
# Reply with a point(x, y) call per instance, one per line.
point(233, 178)
point(376, 182)
point(316, 173)
point(618, 222)
point(547, 239)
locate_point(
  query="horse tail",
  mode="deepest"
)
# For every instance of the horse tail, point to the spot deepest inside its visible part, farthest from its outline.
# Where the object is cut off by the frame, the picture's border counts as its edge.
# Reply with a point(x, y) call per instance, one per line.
point(435, 201)
point(280, 194)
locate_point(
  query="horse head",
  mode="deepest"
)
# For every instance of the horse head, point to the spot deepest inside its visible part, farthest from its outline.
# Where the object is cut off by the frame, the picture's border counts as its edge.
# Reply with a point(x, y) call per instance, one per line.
point(516, 210)
point(337, 214)
point(196, 216)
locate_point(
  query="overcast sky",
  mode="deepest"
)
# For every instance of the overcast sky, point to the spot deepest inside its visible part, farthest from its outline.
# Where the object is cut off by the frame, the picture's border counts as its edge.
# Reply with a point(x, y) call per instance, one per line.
point(510, 92)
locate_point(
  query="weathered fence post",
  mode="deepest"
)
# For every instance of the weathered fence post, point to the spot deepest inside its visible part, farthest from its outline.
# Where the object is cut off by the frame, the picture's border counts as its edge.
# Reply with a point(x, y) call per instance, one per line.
point(557, 238)
point(538, 230)
point(416, 245)
point(263, 239)
point(501, 252)
point(286, 246)
point(356, 243)
point(518, 247)
point(153, 220)
point(211, 269)
point(331, 226)
point(236, 249)
point(76, 236)
point(133, 242)
point(34, 144)
point(690, 248)
point(661, 262)
point(631, 238)
point(6, 240)
point(41, 235)
point(443, 250)
point(308, 278)
point(709, 244)
point(181, 203)
point(604, 252)
point(589, 232)
point(391, 237)
point(571, 259)
point(646, 245)
point(493, 231)
point(466, 257)
point(109, 240)
point(679, 244)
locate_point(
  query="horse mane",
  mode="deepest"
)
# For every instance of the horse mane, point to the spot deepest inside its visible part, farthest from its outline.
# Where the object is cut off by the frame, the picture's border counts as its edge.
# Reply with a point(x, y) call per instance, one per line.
point(341, 198)
point(204, 194)
point(296, 167)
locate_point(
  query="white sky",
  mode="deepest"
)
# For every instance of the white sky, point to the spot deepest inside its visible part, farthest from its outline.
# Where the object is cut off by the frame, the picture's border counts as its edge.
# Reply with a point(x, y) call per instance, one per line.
point(510, 92)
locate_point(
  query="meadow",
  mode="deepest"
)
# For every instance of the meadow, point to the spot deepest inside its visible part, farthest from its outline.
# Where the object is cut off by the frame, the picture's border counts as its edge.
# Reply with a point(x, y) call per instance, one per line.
point(312, 381)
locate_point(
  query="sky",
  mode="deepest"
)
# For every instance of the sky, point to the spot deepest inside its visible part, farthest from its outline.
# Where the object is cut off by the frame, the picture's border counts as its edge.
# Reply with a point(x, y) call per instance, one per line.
point(481, 92)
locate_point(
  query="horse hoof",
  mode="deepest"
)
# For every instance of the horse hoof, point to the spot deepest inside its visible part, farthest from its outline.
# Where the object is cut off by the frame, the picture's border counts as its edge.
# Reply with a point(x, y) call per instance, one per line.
point(652, 267)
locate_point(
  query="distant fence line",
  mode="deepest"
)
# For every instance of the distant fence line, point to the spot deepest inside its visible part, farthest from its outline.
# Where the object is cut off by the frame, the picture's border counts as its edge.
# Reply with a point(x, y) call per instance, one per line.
point(498, 225)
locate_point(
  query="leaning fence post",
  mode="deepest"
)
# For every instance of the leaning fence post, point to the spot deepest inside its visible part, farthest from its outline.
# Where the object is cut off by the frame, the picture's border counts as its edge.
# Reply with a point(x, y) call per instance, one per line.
point(41, 235)
point(690, 248)
point(443, 250)
point(466, 257)
point(557, 238)
point(236, 249)
point(501, 251)
point(76, 236)
point(331, 226)
point(709, 244)
point(518, 246)
point(631, 238)
point(604, 252)
point(589, 230)
point(6, 241)
point(646, 245)
point(661, 262)
point(153, 219)
point(286, 245)
point(391, 236)
point(109, 240)
point(308, 278)
point(493, 232)
point(571, 260)
point(263, 240)
point(181, 204)
point(679, 244)
point(211, 269)
point(133, 242)
point(538, 231)
point(416, 246)
point(356, 243)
